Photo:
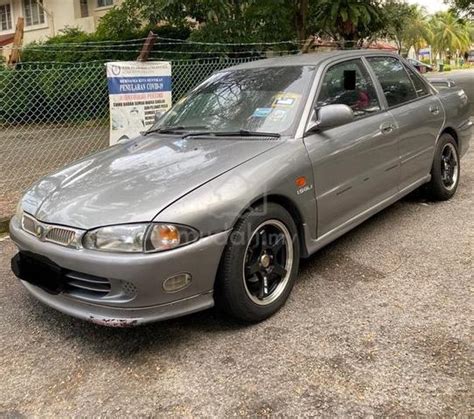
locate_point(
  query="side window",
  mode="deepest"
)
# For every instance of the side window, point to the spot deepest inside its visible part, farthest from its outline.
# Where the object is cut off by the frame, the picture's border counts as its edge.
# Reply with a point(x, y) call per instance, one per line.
point(421, 88)
point(395, 82)
point(349, 83)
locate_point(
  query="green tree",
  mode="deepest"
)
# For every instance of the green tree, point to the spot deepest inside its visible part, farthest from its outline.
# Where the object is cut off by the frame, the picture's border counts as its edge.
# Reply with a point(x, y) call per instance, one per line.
point(418, 31)
point(348, 21)
point(224, 21)
point(237, 19)
point(252, 21)
point(464, 8)
point(119, 23)
point(406, 25)
point(449, 33)
point(153, 12)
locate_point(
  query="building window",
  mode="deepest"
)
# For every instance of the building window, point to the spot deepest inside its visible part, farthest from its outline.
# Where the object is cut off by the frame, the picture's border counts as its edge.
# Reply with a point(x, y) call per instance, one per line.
point(5, 17)
point(34, 12)
point(84, 8)
point(104, 3)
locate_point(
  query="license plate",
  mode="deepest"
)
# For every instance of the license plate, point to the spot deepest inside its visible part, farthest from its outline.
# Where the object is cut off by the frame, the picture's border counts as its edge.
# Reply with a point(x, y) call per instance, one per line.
point(39, 271)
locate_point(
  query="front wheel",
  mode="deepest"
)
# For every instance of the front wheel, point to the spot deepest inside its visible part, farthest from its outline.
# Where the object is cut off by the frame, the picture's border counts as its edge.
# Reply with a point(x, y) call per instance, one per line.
point(259, 265)
point(445, 171)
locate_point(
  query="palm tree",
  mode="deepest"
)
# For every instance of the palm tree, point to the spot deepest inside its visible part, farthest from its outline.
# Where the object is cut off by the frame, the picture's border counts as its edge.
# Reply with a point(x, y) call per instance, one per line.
point(417, 32)
point(449, 34)
point(405, 24)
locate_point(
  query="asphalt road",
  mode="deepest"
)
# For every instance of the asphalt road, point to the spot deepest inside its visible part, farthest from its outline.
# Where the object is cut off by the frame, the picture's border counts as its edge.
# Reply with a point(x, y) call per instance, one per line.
point(31, 152)
point(379, 323)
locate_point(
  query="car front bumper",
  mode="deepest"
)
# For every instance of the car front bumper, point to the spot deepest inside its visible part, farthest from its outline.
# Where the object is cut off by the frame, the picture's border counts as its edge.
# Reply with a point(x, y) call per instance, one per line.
point(134, 293)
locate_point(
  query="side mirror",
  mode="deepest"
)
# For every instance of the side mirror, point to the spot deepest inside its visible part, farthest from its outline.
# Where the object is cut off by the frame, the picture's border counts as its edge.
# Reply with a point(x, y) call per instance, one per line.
point(330, 116)
point(158, 116)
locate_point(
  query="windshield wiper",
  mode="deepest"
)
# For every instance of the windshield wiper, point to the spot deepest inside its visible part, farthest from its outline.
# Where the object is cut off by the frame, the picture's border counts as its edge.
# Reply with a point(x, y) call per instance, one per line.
point(239, 133)
point(174, 130)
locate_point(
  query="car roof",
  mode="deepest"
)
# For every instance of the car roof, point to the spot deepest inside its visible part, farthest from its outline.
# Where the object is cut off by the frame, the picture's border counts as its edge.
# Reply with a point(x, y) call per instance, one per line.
point(314, 58)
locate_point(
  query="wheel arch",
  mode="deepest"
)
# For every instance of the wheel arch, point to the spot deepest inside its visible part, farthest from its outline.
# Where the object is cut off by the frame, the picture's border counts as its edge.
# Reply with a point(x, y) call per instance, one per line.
point(451, 131)
point(293, 210)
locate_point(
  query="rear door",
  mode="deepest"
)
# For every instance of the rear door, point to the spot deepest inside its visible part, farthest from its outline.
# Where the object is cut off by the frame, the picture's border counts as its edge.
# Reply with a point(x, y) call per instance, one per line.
point(418, 114)
point(356, 165)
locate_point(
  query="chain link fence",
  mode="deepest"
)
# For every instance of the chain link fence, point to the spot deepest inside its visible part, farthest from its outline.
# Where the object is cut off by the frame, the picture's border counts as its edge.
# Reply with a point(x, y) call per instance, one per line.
point(53, 114)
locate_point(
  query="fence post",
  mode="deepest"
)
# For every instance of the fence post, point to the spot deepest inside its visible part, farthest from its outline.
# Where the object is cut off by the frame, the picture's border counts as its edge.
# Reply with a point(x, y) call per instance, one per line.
point(17, 42)
point(147, 47)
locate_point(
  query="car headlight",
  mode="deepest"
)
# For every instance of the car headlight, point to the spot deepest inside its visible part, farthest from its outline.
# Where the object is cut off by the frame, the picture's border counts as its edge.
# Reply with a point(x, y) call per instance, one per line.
point(139, 238)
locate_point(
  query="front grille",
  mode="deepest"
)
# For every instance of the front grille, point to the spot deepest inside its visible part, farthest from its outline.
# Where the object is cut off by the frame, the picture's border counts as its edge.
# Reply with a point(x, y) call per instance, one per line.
point(64, 236)
point(60, 236)
point(86, 285)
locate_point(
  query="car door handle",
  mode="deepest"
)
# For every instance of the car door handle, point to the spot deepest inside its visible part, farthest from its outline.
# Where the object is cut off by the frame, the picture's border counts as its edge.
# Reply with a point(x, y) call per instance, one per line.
point(387, 128)
point(434, 109)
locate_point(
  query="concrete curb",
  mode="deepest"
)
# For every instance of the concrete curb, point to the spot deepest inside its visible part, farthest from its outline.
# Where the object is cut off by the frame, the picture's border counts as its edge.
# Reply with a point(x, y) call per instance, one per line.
point(4, 223)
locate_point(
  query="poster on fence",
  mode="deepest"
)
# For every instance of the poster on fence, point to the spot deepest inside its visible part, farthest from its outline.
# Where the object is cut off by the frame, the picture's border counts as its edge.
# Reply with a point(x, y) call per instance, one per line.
point(137, 90)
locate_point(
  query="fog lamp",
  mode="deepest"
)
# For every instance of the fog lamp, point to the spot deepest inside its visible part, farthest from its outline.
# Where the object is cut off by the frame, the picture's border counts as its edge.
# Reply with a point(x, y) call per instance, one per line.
point(177, 283)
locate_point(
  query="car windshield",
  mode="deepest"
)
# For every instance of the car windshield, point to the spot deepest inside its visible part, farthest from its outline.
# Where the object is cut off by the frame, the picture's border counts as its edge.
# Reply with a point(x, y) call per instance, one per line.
point(260, 100)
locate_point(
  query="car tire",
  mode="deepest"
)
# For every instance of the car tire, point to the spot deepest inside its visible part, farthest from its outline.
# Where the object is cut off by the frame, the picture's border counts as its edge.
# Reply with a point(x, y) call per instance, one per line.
point(445, 171)
point(259, 265)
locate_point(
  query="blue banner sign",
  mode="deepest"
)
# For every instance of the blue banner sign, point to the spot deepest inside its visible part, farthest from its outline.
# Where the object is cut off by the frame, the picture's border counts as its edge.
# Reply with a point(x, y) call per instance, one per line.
point(125, 85)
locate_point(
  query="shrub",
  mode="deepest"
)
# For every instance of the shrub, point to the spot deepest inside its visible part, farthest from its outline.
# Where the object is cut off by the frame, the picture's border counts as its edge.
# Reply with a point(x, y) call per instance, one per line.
point(52, 94)
point(55, 50)
point(93, 47)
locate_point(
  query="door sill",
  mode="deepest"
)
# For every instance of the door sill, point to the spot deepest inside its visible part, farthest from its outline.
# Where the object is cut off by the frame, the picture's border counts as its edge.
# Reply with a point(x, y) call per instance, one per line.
point(313, 246)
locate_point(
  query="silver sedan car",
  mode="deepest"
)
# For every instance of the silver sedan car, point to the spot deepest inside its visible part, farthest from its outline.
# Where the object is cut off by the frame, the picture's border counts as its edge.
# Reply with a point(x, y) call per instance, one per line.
point(260, 165)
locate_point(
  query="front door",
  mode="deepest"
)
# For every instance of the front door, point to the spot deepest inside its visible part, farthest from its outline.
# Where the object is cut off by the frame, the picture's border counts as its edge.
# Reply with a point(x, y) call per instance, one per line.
point(356, 165)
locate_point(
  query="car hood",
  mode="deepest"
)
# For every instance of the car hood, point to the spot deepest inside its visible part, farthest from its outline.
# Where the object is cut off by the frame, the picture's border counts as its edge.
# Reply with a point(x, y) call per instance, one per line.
point(132, 182)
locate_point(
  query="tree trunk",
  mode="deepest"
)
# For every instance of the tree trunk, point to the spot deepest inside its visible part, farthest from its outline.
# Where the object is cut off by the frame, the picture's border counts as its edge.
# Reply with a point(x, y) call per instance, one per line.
point(300, 19)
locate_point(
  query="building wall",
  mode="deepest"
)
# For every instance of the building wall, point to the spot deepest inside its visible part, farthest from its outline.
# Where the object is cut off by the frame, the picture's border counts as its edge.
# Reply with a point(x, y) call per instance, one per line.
point(59, 14)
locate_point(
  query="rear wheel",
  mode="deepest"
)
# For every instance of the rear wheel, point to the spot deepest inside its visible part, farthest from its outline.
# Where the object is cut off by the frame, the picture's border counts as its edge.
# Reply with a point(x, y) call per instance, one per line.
point(259, 265)
point(445, 171)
